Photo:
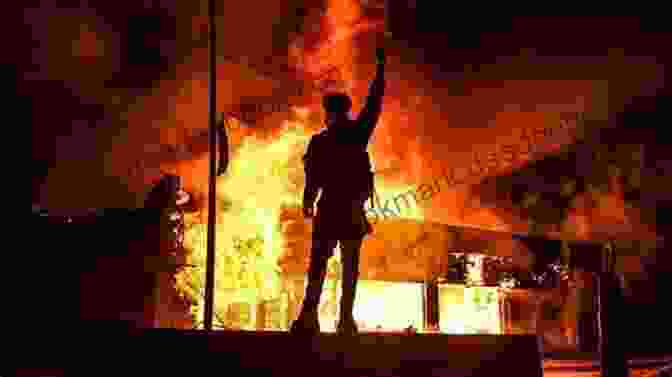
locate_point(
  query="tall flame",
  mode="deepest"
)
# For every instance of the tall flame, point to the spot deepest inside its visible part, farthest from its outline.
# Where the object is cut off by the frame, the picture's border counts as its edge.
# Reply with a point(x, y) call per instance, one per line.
point(265, 177)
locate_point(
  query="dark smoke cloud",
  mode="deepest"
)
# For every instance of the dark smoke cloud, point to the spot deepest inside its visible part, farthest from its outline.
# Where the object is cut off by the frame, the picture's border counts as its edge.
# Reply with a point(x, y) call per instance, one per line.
point(455, 87)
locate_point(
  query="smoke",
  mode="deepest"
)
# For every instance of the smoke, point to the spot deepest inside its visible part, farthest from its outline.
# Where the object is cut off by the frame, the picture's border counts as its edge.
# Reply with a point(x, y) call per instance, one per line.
point(435, 120)
point(444, 105)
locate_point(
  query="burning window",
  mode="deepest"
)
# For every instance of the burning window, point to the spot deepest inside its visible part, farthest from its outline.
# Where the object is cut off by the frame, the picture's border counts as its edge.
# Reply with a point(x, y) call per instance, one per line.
point(387, 306)
point(473, 310)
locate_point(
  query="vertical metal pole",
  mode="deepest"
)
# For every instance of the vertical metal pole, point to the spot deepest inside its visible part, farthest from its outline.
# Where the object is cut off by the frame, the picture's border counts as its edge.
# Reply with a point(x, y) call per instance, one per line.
point(387, 33)
point(431, 306)
point(212, 188)
point(613, 361)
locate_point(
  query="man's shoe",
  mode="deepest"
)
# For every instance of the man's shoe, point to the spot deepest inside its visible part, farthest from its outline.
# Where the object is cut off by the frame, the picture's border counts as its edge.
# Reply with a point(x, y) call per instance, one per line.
point(347, 327)
point(305, 325)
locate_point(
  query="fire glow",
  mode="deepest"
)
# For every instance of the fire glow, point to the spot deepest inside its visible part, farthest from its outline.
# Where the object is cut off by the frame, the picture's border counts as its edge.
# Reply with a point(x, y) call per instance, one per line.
point(263, 179)
point(265, 182)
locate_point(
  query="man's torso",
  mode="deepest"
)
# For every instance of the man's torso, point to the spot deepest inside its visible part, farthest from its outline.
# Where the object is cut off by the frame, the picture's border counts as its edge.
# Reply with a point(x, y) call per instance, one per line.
point(343, 166)
point(343, 169)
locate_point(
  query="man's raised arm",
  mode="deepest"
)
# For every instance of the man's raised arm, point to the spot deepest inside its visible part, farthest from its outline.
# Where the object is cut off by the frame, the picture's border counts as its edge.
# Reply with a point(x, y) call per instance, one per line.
point(369, 116)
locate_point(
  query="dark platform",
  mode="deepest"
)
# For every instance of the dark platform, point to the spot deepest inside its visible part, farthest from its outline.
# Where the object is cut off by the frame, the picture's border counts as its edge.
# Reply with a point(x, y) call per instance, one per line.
point(192, 353)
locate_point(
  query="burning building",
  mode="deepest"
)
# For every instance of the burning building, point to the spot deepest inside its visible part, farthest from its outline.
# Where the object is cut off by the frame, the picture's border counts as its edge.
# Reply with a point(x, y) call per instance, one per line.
point(262, 241)
point(414, 272)
point(433, 126)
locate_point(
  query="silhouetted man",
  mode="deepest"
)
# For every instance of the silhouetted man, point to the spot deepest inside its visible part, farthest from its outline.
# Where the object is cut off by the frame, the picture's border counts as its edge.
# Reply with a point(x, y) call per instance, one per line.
point(337, 163)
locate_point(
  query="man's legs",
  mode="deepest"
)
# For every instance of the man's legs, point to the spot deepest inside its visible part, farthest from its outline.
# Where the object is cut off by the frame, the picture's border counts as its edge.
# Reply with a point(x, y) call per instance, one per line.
point(350, 250)
point(322, 249)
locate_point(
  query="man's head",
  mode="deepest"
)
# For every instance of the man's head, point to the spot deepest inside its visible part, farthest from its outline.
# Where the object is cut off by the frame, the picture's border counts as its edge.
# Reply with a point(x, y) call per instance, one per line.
point(337, 106)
